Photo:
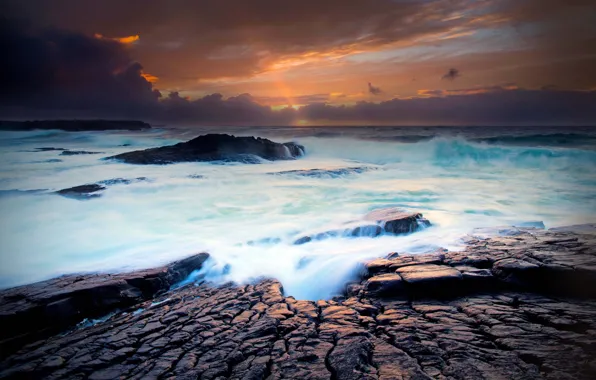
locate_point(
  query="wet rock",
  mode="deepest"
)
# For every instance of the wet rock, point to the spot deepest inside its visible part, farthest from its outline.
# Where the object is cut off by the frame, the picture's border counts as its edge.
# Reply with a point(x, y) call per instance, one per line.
point(49, 149)
point(431, 277)
point(90, 191)
point(389, 221)
point(214, 147)
point(396, 221)
point(34, 310)
point(388, 283)
point(326, 173)
point(77, 152)
point(122, 181)
point(83, 191)
point(254, 331)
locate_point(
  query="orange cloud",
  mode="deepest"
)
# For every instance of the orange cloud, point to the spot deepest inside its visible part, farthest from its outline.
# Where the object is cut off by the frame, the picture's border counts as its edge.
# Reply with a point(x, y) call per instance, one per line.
point(149, 78)
point(123, 40)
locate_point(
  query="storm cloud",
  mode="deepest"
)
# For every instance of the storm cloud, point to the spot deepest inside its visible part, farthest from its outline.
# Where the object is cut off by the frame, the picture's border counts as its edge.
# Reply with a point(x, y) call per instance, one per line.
point(51, 69)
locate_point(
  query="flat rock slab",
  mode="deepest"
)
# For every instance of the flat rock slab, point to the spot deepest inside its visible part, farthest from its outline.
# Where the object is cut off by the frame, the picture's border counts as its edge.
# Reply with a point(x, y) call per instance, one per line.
point(427, 274)
point(385, 283)
point(255, 332)
point(561, 261)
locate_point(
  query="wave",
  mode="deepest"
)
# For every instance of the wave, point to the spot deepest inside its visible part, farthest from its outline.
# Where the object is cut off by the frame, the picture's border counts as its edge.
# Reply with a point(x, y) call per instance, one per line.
point(450, 152)
point(552, 139)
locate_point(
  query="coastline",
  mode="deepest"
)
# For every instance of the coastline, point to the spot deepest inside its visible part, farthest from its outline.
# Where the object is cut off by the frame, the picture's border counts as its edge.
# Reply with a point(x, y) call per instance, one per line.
point(498, 307)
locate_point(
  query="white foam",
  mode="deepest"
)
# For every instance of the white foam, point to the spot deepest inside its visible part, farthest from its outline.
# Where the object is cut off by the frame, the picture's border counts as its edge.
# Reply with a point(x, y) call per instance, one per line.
point(458, 186)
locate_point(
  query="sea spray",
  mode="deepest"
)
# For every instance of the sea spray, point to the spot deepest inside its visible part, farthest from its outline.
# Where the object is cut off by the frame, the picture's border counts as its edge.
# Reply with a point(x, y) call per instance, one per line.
point(248, 219)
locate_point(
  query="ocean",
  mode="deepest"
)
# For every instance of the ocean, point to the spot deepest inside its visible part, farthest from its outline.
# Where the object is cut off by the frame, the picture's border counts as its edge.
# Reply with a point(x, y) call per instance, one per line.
point(247, 216)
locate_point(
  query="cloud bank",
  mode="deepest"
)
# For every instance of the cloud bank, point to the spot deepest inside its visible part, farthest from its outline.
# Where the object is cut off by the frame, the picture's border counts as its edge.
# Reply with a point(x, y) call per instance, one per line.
point(50, 72)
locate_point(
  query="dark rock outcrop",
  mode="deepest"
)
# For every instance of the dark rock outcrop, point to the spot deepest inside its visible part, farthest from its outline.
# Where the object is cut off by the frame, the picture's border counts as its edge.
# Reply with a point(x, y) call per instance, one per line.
point(389, 220)
point(214, 147)
point(83, 191)
point(74, 125)
point(33, 311)
point(93, 190)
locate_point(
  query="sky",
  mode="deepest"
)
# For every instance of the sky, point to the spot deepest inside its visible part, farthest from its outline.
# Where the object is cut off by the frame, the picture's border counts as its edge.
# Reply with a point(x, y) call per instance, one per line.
point(308, 62)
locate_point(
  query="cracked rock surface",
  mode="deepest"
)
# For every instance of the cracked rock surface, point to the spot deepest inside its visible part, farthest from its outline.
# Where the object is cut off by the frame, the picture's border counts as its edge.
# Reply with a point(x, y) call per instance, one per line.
point(482, 313)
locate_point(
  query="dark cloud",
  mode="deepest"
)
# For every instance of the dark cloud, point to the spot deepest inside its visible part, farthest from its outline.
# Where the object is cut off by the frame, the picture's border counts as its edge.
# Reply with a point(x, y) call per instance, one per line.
point(486, 108)
point(451, 74)
point(215, 110)
point(295, 100)
point(374, 90)
point(55, 69)
point(181, 39)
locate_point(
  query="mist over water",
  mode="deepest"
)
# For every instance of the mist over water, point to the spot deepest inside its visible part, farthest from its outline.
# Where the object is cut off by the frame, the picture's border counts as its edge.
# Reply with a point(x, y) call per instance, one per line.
point(460, 179)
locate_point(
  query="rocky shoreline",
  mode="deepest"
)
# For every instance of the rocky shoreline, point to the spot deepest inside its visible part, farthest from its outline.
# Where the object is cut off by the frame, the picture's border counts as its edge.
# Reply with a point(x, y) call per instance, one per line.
point(520, 305)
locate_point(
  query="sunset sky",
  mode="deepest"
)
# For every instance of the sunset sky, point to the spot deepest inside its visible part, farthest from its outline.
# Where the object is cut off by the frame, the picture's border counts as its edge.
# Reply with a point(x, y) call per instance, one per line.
point(301, 62)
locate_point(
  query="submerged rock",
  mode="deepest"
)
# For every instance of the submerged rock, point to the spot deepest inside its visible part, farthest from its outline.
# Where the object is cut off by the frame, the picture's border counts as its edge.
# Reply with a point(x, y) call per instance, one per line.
point(326, 173)
point(49, 149)
point(83, 191)
point(92, 190)
point(215, 147)
point(77, 152)
point(390, 221)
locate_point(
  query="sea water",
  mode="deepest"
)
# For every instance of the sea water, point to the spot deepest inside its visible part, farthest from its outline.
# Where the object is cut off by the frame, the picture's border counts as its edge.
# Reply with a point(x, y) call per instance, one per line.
point(247, 216)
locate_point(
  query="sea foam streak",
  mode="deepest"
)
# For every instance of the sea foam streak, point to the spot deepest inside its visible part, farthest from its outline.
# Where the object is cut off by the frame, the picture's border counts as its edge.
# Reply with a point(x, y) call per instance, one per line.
point(457, 184)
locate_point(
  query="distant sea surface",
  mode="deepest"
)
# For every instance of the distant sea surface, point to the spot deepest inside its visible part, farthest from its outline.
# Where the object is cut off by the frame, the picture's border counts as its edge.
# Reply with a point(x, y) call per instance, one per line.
point(248, 215)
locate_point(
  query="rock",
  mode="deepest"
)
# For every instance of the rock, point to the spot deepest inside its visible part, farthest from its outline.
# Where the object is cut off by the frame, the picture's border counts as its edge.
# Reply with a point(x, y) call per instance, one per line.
point(49, 149)
point(214, 147)
point(90, 191)
point(506, 335)
point(77, 152)
point(254, 331)
point(122, 181)
point(396, 221)
point(390, 221)
point(358, 231)
point(40, 308)
point(430, 275)
point(74, 125)
point(326, 173)
point(83, 191)
point(388, 283)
